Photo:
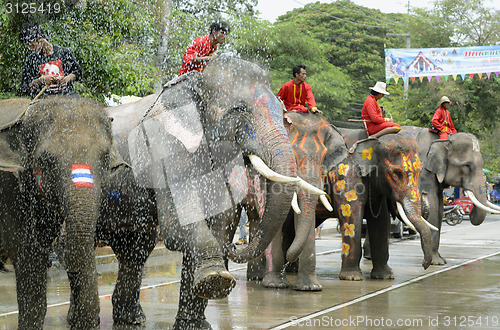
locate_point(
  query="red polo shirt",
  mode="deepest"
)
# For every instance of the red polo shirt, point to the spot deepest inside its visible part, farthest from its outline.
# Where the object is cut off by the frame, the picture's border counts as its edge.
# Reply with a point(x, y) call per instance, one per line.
point(199, 48)
point(295, 96)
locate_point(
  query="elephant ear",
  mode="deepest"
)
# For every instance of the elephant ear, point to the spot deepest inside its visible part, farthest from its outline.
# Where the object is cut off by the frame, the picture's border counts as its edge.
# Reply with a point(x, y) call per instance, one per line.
point(10, 153)
point(169, 150)
point(437, 159)
point(117, 163)
point(337, 149)
point(365, 156)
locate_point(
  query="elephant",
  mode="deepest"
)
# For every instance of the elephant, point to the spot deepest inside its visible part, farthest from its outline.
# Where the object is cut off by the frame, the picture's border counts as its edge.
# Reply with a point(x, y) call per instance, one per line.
point(454, 162)
point(316, 145)
point(191, 146)
point(55, 166)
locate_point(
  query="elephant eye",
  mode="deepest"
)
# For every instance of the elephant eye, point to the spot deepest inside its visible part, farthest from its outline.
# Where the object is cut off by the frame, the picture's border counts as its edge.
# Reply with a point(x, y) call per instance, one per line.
point(399, 174)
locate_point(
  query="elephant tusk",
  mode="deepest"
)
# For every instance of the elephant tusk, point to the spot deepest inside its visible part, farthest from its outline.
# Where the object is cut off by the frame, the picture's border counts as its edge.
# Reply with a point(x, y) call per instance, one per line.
point(309, 187)
point(404, 217)
point(295, 204)
point(478, 204)
point(263, 169)
point(325, 203)
point(493, 206)
point(428, 224)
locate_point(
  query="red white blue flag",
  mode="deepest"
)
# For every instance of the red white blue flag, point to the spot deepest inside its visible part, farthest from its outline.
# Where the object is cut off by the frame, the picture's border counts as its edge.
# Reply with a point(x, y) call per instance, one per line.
point(82, 176)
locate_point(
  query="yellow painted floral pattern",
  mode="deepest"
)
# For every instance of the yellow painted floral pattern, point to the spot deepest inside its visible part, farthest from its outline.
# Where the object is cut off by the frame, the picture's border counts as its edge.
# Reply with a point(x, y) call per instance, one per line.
point(343, 169)
point(351, 195)
point(349, 229)
point(345, 249)
point(367, 153)
point(340, 185)
point(346, 210)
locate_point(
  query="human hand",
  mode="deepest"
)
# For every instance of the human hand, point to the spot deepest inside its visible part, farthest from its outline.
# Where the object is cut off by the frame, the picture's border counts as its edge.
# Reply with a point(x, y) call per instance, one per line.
point(316, 110)
point(48, 79)
point(66, 79)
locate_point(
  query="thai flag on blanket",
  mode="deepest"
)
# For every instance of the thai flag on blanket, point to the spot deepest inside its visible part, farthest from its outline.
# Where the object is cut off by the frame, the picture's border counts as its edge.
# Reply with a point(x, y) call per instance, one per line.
point(82, 176)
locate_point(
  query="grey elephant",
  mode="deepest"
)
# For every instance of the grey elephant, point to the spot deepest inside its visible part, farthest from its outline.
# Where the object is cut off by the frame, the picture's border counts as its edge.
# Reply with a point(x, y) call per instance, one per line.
point(316, 146)
point(456, 162)
point(192, 145)
point(55, 166)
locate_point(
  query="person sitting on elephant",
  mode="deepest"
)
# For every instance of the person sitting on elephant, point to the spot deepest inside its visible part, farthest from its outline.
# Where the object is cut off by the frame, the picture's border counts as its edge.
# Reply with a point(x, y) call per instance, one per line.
point(374, 123)
point(47, 64)
point(297, 92)
point(201, 50)
point(442, 119)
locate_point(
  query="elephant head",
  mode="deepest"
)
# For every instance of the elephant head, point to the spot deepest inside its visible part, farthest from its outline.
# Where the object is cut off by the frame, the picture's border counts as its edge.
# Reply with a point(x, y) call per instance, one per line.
point(458, 162)
point(202, 132)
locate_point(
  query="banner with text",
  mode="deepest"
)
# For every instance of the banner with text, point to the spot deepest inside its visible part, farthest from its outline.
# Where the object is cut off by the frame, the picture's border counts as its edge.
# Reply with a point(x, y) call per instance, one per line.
point(441, 62)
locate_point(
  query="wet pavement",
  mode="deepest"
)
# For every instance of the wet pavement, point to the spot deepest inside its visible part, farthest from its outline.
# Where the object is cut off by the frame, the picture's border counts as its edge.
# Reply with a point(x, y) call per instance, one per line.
point(465, 293)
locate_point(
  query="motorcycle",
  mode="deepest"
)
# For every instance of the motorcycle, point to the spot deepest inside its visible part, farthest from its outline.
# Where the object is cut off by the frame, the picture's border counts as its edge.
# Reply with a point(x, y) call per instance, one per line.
point(453, 214)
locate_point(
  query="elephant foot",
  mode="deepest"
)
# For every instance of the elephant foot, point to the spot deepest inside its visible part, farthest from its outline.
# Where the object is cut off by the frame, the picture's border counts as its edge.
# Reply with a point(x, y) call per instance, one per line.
point(185, 324)
point(213, 281)
point(129, 315)
point(307, 283)
point(438, 260)
point(275, 281)
point(353, 275)
point(384, 273)
point(80, 322)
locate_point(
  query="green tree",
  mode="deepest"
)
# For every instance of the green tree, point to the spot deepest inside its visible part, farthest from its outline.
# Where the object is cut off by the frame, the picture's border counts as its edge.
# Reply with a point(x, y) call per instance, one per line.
point(280, 47)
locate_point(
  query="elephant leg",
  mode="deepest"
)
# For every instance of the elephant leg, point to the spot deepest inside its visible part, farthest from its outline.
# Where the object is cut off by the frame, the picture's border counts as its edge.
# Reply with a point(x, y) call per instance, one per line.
point(84, 307)
point(256, 269)
point(436, 219)
point(132, 250)
point(191, 312)
point(379, 229)
point(351, 249)
point(367, 253)
point(211, 278)
point(275, 276)
point(306, 278)
point(30, 264)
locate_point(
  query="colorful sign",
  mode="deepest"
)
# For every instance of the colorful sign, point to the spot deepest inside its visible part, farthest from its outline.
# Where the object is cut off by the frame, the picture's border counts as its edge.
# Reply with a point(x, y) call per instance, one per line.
point(441, 62)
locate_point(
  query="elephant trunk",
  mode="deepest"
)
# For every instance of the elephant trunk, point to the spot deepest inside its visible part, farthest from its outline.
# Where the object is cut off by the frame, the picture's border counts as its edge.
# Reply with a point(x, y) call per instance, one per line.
point(303, 224)
point(478, 212)
point(81, 223)
point(278, 197)
point(412, 211)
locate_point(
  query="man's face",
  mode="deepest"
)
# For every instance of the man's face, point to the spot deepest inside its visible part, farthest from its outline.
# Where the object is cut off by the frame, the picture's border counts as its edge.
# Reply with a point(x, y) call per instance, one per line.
point(35, 46)
point(220, 36)
point(445, 105)
point(301, 76)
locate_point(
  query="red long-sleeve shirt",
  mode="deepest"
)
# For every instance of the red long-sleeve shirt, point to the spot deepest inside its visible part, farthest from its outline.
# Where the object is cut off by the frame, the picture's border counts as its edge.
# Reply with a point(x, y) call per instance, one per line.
point(442, 121)
point(295, 96)
point(199, 48)
point(371, 111)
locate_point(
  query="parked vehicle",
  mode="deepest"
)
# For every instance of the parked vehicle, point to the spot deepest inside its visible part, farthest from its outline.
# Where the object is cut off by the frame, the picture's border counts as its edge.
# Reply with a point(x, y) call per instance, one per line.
point(453, 214)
